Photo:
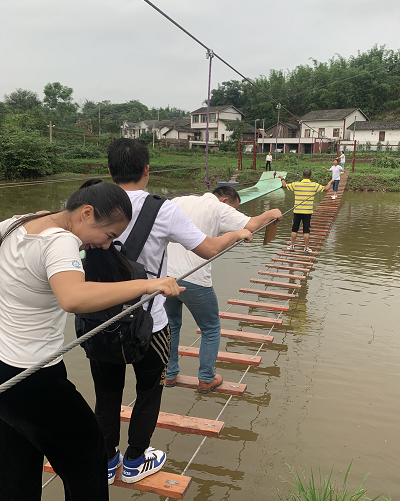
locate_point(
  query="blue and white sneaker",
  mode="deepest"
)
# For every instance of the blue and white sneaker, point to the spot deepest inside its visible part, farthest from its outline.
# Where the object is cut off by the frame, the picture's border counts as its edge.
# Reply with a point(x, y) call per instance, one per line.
point(150, 462)
point(113, 465)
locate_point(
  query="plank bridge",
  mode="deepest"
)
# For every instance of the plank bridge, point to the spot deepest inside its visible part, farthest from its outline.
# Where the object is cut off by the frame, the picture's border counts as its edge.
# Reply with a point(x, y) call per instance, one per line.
point(293, 267)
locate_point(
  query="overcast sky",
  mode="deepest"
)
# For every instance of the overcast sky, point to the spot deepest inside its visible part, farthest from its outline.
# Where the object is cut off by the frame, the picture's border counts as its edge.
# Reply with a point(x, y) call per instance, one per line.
point(119, 50)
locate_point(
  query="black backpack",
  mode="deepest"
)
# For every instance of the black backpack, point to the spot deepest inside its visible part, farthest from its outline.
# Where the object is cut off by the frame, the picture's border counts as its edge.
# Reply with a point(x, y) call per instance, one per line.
point(127, 340)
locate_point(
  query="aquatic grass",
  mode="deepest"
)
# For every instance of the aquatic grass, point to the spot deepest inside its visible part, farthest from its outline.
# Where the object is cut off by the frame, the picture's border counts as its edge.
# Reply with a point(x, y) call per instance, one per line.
point(302, 490)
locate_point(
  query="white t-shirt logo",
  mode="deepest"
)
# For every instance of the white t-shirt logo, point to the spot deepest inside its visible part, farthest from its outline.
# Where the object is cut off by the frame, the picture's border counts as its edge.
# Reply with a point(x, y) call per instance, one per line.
point(76, 264)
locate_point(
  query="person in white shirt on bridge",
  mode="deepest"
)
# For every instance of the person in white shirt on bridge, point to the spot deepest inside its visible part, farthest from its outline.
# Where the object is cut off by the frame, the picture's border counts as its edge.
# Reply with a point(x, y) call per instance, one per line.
point(213, 213)
point(336, 169)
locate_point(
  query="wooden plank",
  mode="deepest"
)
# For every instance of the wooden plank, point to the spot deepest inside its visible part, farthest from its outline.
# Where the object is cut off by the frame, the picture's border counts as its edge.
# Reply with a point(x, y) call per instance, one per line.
point(304, 256)
point(254, 319)
point(245, 336)
point(257, 304)
point(223, 356)
point(281, 295)
point(161, 483)
point(183, 424)
point(289, 268)
point(270, 233)
point(288, 252)
point(225, 388)
point(280, 260)
point(274, 283)
point(282, 275)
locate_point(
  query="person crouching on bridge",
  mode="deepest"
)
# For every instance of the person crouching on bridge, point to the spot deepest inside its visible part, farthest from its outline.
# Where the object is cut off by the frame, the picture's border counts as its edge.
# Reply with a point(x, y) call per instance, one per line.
point(41, 280)
point(304, 192)
point(213, 213)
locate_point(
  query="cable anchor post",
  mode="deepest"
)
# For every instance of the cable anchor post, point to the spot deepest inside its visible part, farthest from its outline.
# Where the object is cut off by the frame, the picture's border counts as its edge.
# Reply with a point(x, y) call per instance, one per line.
point(209, 55)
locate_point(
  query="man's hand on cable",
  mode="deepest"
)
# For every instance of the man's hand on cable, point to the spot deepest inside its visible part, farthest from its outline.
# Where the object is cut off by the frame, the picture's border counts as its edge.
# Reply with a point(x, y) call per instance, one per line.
point(244, 234)
point(276, 214)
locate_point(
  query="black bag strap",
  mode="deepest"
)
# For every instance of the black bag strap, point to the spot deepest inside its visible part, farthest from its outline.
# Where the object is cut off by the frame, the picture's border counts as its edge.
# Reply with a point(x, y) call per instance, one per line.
point(141, 229)
point(158, 276)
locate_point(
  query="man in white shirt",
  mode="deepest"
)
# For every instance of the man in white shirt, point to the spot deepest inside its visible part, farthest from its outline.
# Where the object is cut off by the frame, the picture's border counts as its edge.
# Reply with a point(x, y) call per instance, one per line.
point(213, 213)
point(268, 160)
point(128, 163)
point(336, 169)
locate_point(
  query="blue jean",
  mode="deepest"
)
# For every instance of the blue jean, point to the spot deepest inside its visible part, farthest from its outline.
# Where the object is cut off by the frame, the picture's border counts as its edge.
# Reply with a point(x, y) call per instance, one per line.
point(335, 185)
point(203, 305)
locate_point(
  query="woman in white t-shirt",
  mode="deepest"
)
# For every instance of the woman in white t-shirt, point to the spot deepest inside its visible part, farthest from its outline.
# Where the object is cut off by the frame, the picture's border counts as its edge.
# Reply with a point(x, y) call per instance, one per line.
point(342, 159)
point(41, 279)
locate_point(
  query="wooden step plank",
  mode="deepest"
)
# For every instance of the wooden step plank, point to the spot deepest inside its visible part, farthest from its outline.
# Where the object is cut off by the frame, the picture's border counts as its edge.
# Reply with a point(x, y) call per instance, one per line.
point(183, 424)
point(281, 295)
point(245, 336)
point(287, 251)
point(254, 319)
point(226, 388)
point(304, 256)
point(258, 304)
point(281, 260)
point(161, 483)
point(289, 268)
point(315, 245)
point(223, 356)
point(274, 283)
point(282, 275)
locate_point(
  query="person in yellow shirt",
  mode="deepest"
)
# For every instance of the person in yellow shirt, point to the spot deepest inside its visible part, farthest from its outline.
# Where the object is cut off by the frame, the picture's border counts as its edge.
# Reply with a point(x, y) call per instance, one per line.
point(304, 192)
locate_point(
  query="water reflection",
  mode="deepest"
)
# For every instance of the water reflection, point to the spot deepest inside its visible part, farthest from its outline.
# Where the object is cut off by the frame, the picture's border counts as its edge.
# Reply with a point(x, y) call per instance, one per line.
point(327, 387)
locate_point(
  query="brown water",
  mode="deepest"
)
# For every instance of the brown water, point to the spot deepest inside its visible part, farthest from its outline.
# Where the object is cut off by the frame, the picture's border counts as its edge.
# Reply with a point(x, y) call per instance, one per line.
point(326, 391)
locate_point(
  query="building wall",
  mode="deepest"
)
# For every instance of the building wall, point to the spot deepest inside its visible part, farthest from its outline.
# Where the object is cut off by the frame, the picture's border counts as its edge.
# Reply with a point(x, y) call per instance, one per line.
point(329, 125)
point(393, 136)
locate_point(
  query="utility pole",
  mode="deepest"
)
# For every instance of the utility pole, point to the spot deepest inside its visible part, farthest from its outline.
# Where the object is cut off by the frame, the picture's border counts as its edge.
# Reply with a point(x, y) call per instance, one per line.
point(50, 132)
point(99, 120)
point(263, 136)
point(278, 107)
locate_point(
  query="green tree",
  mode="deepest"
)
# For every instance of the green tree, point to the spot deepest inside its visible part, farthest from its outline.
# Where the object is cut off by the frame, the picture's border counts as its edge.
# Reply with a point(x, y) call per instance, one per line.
point(58, 100)
point(22, 100)
point(237, 128)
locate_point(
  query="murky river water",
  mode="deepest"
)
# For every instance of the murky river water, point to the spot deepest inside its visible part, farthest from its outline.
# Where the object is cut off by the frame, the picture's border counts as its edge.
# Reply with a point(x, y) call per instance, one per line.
point(327, 389)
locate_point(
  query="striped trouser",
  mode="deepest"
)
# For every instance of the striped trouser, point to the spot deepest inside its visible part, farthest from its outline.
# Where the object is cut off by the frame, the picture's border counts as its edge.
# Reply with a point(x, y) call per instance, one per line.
point(109, 381)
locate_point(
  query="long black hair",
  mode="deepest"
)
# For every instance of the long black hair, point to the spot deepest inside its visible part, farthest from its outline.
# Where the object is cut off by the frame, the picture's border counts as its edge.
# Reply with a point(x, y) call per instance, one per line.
point(106, 265)
point(110, 204)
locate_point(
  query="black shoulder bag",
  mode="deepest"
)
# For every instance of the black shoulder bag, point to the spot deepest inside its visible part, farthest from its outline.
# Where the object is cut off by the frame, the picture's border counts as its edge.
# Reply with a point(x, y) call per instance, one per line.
point(127, 340)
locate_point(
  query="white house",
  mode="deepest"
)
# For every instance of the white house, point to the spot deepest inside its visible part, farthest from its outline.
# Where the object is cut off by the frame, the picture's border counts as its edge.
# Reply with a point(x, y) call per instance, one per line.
point(219, 116)
point(135, 129)
point(374, 132)
point(332, 124)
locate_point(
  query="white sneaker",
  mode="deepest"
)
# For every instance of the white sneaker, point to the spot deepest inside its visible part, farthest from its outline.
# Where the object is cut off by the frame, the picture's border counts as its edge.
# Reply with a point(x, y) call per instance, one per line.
point(333, 197)
point(150, 462)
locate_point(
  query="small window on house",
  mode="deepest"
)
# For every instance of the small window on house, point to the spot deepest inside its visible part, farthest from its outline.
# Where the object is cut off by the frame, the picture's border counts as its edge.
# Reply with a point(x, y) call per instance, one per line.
point(222, 137)
point(204, 118)
point(336, 132)
point(321, 132)
point(381, 135)
point(195, 118)
point(307, 133)
point(213, 117)
point(215, 135)
point(143, 131)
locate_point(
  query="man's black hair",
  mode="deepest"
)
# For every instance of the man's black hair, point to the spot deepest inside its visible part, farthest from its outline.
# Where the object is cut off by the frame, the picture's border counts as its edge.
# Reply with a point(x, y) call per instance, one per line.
point(127, 159)
point(227, 191)
point(307, 173)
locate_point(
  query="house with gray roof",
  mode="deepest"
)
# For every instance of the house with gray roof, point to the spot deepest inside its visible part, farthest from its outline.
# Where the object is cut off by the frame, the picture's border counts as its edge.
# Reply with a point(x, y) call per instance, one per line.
point(383, 131)
point(332, 124)
point(219, 116)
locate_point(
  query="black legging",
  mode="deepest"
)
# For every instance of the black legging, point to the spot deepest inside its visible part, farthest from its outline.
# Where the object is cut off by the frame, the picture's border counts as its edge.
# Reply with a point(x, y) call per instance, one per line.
point(268, 165)
point(109, 381)
point(44, 415)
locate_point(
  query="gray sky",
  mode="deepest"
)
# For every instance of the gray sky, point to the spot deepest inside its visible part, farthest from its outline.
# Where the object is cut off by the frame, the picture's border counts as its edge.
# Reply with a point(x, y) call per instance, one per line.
point(123, 49)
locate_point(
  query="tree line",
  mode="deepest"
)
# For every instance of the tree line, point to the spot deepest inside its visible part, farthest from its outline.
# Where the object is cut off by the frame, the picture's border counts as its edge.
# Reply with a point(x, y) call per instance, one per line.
point(369, 81)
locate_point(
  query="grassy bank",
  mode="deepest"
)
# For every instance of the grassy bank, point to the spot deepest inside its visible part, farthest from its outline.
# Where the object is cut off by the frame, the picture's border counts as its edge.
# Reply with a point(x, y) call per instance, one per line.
point(189, 167)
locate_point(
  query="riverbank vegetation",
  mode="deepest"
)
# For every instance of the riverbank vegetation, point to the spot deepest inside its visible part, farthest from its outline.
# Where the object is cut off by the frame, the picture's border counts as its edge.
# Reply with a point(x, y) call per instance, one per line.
point(324, 489)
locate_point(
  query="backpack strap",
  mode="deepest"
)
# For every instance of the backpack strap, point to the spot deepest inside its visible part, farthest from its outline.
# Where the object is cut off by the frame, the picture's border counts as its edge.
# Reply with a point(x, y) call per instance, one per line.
point(141, 229)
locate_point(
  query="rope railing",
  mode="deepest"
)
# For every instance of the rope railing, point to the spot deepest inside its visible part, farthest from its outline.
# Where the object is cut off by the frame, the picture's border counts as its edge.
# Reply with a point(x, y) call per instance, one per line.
point(65, 349)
